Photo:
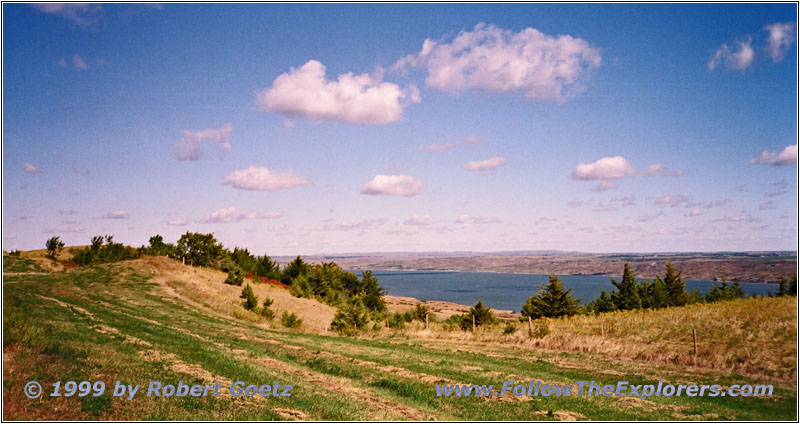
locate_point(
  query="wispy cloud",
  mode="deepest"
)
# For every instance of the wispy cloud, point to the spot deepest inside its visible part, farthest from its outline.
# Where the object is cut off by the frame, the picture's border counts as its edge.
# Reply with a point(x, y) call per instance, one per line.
point(740, 57)
point(359, 99)
point(658, 169)
point(261, 178)
point(189, 147)
point(484, 165)
point(393, 185)
point(364, 224)
point(604, 208)
point(694, 212)
point(419, 220)
point(781, 37)
point(788, 156)
point(442, 147)
point(233, 214)
point(81, 14)
point(605, 185)
point(178, 222)
point(463, 219)
point(489, 59)
point(118, 214)
point(31, 169)
point(68, 229)
point(79, 63)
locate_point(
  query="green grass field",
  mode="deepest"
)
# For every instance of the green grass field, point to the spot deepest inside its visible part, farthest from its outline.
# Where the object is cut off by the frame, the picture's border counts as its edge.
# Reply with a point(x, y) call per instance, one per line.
point(118, 322)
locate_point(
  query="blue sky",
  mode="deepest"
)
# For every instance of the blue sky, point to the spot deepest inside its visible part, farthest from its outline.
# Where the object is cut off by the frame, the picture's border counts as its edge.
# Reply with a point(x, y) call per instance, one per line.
point(300, 129)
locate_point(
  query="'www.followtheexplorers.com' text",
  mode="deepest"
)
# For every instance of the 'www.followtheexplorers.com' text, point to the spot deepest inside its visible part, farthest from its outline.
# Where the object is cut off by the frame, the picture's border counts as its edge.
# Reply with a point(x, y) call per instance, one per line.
point(590, 388)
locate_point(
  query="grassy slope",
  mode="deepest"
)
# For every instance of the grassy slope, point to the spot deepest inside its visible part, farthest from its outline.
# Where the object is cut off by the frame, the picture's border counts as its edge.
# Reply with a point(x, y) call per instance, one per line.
point(153, 319)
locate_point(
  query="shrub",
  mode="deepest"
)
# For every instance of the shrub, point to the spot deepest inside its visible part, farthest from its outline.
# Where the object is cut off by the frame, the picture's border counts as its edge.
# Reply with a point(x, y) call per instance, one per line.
point(290, 320)
point(235, 278)
point(54, 246)
point(265, 310)
point(250, 299)
point(396, 321)
point(482, 315)
point(420, 311)
point(350, 318)
point(552, 301)
point(510, 329)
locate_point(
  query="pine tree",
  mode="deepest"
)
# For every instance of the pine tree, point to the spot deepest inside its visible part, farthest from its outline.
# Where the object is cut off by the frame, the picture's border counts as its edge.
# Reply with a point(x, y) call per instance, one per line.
point(250, 299)
point(602, 304)
point(552, 301)
point(676, 288)
point(627, 295)
point(481, 314)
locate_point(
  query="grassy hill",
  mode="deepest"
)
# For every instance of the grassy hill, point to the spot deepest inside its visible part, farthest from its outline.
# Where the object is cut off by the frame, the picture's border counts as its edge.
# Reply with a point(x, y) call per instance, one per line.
point(156, 319)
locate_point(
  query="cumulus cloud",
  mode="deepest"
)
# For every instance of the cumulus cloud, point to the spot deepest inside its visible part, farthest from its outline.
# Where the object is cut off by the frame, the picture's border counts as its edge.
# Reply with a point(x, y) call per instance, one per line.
point(786, 157)
point(781, 37)
point(178, 222)
point(31, 169)
point(489, 59)
point(472, 139)
point(658, 169)
point(189, 147)
point(364, 224)
point(233, 214)
point(608, 168)
point(739, 58)
point(261, 178)
point(484, 165)
point(419, 220)
point(118, 214)
point(79, 63)
point(393, 185)
point(81, 14)
point(463, 219)
point(358, 99)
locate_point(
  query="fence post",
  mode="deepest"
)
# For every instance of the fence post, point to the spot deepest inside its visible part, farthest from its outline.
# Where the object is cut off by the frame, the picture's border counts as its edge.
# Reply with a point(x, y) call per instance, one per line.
point(326, 330)
point(530, 327)
point(602, 330)
point(694, 340)
point(473, 323)
point(426, 321)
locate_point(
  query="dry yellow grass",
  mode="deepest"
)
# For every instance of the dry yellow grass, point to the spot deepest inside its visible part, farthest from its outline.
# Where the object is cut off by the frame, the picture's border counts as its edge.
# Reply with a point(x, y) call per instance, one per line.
point(206, 287)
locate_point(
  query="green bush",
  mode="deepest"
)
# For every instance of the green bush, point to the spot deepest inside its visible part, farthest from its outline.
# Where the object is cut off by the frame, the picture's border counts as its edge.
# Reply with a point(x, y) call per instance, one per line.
point(510, 329)
point(250, 299)
point(235, 278)
point(396, 321)
point(265, 310)
point(290, 320)
point(350, 318)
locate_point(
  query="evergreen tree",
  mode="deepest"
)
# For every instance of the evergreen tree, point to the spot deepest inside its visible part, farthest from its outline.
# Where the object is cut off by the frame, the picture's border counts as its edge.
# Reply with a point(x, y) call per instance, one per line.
point(627, 295)
point(676, 288)
point(250, 299)
point(266, 267)
point(602, 304)
point(482, 314)
point(54, 246)
point(294, 269)
point(552, 301)
point(350, 318)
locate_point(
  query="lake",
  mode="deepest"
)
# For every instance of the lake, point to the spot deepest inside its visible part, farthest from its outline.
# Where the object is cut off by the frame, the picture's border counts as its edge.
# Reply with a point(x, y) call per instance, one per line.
point(508, 291)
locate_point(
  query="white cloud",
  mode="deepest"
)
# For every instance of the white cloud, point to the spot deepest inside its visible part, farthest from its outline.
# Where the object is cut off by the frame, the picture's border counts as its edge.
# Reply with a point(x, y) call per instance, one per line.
point(260, 178)
point(674, 200)
point(786, 157)
point(393, 185)
point(605, 185)
point(419, 220)
point(781, 37)
point(189, 147)
point(463, 219)
point(81, 14)
point(626, 200)
point(658, 169)
point(739, 59)
point(489, 59)
point(358, 99)
point(118, 214)
point(694, 212)
point(233, 214)
point(31, 169)
point(79, 63)
point(484, 165)
point(364, 224)
point(609, 168)
point(178, 222)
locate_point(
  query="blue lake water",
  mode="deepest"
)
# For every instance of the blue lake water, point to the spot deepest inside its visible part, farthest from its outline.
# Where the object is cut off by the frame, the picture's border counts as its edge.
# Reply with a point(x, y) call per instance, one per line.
point(508, 291)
